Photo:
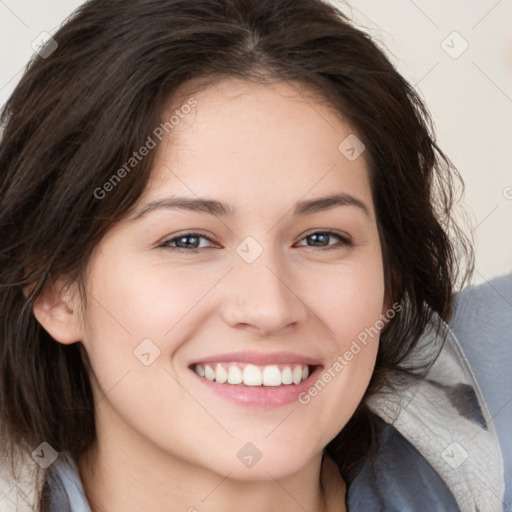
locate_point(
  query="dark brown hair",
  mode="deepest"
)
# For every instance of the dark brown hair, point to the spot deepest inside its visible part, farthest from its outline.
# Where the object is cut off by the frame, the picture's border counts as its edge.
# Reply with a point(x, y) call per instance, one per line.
point(77, 116)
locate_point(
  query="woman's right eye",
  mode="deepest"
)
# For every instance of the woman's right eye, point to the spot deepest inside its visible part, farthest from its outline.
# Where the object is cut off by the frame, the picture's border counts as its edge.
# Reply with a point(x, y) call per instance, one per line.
point(186, 242)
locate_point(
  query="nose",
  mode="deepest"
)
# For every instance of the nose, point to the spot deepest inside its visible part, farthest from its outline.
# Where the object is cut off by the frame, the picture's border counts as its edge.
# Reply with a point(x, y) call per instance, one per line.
point(263, 296)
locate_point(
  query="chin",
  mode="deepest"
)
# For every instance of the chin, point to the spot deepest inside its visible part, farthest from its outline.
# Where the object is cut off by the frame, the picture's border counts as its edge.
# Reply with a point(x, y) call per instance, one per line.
point(251, 463)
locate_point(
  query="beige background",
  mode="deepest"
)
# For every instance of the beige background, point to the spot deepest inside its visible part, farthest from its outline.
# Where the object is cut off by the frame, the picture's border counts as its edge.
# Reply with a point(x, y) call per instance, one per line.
point(469, 93)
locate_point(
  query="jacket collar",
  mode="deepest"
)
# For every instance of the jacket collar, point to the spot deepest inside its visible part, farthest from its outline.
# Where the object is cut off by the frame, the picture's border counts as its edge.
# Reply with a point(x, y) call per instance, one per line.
point(443, 414)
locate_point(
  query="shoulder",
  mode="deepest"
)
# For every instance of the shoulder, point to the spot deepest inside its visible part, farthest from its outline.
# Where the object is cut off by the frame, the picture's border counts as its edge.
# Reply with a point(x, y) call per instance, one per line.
point(486, 307)
point(399, 478)
point(445, 437)
point(482, 324)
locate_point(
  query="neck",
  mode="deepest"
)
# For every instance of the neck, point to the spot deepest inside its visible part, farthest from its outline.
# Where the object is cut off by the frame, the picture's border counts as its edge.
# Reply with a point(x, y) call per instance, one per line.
point(333, 487)
point(124, 480)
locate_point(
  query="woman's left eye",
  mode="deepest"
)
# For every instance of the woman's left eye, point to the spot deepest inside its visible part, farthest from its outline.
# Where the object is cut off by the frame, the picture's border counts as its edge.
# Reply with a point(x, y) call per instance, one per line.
point(318, 237)
point(190, 242)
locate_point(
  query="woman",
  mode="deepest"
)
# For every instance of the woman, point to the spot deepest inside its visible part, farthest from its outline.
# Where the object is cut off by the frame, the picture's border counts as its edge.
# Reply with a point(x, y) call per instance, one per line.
point(226, 264)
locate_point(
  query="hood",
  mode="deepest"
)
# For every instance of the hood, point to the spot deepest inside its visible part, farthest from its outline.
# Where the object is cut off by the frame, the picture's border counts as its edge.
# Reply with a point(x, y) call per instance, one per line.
point(444, 416)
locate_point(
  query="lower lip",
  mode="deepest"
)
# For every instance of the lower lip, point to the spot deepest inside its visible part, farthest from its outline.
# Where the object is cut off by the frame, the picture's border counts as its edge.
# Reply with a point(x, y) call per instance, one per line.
point(260, 396)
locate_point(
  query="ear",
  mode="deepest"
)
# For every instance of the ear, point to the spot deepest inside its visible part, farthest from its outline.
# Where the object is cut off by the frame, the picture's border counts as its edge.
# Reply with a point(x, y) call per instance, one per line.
point(56, 309)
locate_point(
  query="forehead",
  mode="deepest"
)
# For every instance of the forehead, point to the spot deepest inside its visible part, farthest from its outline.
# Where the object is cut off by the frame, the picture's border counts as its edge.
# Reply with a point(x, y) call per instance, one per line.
point(253, 142)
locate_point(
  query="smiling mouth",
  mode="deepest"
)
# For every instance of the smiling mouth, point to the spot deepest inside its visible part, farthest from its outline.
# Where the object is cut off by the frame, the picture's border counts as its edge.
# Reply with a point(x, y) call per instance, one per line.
point(238, 373)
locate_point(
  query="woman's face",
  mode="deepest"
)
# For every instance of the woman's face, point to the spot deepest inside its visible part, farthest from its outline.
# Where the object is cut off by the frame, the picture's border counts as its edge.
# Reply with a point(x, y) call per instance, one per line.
point(261, 288)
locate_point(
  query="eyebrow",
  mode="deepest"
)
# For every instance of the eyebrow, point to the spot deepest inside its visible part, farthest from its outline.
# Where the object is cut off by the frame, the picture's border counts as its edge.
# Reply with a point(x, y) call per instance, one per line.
point(217, 208)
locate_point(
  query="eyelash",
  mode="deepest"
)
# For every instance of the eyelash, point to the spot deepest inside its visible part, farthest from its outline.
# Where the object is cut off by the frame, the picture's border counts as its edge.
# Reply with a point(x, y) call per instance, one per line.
point(345, 240)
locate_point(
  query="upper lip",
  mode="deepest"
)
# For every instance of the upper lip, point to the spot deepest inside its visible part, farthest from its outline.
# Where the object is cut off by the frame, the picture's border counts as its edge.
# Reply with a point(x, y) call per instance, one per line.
point(259, 358)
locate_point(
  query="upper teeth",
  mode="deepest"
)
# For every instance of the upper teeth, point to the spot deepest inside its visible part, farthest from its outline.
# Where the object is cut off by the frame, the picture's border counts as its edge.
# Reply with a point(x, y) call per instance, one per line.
point(252, 375)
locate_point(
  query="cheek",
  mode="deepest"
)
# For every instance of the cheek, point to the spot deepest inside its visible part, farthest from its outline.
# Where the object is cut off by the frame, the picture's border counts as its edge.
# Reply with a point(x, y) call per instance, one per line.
point(137, 320)
point(350, 300)
point(351, 305)
point(130, 306)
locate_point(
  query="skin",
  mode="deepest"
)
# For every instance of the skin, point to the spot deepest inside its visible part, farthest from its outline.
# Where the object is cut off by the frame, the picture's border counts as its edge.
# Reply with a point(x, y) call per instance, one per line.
point(165, 442)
